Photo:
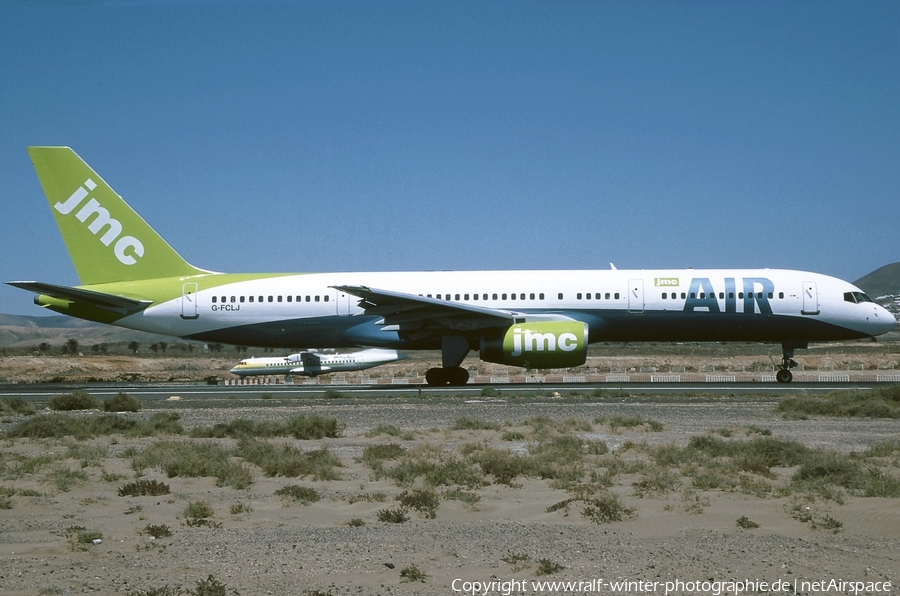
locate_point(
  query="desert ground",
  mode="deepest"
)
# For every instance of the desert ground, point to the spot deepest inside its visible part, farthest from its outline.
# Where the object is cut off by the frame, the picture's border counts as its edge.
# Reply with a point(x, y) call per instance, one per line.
point(455, 496)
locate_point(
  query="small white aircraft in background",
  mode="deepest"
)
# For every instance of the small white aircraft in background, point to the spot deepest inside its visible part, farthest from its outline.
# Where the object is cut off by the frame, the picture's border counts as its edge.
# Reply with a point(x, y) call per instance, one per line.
point(312, 363)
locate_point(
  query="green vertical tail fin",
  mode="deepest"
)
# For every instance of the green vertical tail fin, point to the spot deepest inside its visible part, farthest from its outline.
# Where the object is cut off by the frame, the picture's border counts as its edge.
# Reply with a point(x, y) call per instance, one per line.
point(107, 240)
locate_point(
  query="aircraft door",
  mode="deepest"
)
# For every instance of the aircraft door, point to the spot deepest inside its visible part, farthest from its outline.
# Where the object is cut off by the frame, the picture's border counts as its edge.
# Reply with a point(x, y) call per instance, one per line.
point(636, 295)
point(810, 298)
point(343, 303)
point(189, 301)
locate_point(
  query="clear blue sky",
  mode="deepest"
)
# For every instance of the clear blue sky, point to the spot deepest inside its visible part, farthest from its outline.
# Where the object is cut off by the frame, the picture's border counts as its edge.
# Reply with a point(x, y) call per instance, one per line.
point(347, 136)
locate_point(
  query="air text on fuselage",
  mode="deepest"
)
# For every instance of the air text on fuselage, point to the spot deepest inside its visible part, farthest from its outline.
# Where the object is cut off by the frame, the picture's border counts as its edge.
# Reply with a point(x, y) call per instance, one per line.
point(752, 298)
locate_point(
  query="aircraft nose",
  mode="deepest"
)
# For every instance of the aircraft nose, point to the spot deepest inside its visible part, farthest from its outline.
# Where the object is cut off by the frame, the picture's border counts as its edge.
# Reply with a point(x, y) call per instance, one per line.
point(881, 320)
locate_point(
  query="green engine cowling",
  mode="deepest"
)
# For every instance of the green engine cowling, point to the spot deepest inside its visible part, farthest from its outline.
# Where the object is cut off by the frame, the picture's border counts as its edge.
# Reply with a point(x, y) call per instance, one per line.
point(546, 344)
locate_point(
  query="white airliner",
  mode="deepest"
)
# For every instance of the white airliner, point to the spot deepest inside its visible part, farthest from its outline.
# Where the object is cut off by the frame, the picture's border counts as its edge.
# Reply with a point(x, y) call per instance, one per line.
point(313, 364)
point(132, 278)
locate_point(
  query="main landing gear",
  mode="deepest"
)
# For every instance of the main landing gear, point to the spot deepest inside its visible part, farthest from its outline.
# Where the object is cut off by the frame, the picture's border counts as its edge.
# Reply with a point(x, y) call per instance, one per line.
point(453, 350)
point(784, 374)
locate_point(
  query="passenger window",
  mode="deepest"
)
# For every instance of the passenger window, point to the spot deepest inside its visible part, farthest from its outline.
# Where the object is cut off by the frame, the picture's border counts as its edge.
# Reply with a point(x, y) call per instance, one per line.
point(607, 295)
point(617, 295)
point(214, 298)
point(242, 298)
point(541, 295)
point(326, 297)
point(279, 299)
point(578, 296)
point(317, 299)
point(290, 298)
point(664, 296)
point(466, 297)
point(512, 296)
point(457, 298)
point(781, 295)
point(531, 297)
point(271, 299)
point(251, 298)
point(560, 296)
point(495, 296)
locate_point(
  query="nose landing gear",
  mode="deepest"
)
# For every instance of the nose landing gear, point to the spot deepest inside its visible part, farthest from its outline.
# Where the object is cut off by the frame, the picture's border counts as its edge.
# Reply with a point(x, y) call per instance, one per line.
point(784, 374)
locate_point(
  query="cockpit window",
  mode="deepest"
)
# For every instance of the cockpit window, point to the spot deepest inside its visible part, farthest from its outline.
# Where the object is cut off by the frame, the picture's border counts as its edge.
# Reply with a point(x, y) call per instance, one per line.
point(856, 297)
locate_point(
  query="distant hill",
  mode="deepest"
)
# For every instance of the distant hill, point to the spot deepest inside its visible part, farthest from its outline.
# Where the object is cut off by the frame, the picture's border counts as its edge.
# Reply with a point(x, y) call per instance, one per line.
point(882, 282)
point(25, 332)
point(54, 322)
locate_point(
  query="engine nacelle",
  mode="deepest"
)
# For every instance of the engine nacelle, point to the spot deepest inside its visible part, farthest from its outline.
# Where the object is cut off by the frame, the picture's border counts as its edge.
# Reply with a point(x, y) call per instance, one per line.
point(546, 344)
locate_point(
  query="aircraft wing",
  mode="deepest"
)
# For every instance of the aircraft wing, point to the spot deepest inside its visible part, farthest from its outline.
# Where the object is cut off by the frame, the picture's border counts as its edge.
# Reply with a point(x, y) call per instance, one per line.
point(418, 316)
point(110, 302)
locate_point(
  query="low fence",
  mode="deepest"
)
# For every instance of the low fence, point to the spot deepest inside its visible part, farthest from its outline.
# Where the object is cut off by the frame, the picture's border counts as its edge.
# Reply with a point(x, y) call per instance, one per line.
point(801, 376)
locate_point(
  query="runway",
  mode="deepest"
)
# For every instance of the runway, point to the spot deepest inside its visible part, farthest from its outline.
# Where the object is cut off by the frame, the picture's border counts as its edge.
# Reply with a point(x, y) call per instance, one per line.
point(150, 392)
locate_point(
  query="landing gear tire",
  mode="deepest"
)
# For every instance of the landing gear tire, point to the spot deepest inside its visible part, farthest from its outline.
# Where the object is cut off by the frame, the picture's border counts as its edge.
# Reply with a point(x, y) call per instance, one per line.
point(784, 376)
point(455, 376)
point(435, 376)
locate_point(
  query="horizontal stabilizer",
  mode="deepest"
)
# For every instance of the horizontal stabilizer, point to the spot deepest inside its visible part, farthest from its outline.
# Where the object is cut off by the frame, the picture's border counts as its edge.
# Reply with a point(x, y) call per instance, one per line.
point(110, 302)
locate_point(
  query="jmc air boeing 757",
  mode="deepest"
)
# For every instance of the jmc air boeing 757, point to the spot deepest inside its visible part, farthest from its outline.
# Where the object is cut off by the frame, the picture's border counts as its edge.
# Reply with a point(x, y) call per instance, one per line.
point(132, 278)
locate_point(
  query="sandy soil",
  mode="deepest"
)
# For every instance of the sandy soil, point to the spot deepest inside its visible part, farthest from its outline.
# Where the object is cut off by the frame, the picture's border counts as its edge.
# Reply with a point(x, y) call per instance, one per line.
point(276, 546)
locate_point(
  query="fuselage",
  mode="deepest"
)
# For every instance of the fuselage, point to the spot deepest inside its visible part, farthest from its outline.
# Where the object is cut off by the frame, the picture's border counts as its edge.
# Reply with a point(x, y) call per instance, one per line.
point(617, 305)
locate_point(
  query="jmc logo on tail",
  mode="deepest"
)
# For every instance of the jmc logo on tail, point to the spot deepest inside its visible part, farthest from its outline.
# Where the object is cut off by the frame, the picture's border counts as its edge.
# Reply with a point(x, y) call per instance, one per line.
point(127, 249)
